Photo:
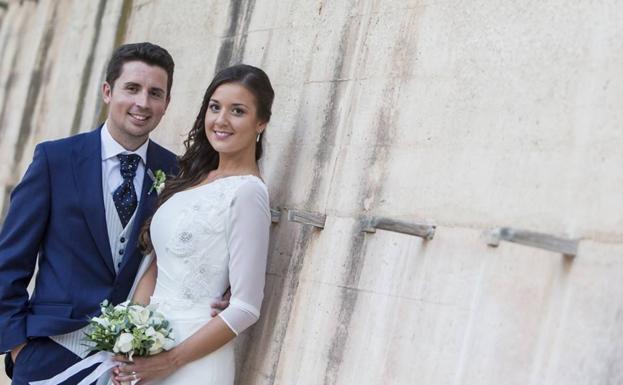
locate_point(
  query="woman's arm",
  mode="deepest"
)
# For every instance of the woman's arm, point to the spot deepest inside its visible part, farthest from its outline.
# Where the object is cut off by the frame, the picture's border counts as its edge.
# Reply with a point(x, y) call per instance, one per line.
point(248, 249)
point(146, 285)
point(209, 338)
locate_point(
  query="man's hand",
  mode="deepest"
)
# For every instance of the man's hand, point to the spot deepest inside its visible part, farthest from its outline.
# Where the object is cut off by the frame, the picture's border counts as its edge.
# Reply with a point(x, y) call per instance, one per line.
point(15, 351)
point(219, 306)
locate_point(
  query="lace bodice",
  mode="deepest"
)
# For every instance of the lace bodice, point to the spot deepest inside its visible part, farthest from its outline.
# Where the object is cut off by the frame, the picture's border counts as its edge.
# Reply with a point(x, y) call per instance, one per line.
point(210, 238)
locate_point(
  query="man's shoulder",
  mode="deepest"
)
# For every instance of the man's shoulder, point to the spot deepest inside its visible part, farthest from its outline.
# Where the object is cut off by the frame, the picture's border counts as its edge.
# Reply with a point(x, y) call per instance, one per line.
point(65, 143)
point(163, 153)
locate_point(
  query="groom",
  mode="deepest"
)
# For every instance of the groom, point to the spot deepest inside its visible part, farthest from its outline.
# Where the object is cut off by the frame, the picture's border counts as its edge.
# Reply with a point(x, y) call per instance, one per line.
point(78, 211)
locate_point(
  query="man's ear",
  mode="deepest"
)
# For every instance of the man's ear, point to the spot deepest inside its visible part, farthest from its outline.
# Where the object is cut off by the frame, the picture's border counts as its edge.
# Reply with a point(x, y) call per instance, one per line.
point(106, 92)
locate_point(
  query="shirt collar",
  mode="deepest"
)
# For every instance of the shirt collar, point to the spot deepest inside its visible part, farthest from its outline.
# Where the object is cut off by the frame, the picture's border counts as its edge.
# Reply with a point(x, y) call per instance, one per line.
point(111, 148)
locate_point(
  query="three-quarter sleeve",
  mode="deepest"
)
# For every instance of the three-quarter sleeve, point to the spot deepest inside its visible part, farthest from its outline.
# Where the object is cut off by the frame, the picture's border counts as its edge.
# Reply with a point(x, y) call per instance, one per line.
point(249, 225)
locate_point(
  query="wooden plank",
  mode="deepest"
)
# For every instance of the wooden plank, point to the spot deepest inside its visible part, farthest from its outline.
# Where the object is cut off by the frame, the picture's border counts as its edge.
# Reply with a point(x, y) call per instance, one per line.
point(548, 242)
point(275, 215)
point(422, 230)
point(307, 218)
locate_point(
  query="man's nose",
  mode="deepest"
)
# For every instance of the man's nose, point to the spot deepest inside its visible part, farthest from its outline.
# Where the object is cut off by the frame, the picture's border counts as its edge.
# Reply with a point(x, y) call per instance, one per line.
point(141, 99)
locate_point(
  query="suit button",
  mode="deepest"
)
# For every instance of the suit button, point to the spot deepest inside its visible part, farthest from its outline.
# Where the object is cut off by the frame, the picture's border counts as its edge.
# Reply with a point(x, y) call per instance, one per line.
point(119, 264)
point(122, 240)
point(120, 251)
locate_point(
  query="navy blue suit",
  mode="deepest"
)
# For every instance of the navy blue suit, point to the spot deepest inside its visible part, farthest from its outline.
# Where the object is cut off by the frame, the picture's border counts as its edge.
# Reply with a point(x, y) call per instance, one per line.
point(57, 214)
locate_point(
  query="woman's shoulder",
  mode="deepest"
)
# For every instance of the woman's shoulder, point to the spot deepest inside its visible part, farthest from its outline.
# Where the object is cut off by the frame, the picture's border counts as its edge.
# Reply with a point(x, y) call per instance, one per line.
point(250, 189)
point(250, 186)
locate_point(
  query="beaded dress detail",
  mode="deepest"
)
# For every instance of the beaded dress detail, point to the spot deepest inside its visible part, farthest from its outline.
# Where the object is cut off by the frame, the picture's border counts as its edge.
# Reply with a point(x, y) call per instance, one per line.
point(208, 239)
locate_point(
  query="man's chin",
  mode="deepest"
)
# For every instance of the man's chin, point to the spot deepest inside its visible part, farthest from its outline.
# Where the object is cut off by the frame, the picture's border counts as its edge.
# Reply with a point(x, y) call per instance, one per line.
point(140, 130)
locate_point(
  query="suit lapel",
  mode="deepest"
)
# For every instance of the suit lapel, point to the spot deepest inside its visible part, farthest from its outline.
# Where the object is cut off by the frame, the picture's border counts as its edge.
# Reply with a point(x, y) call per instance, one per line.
point(88, 177)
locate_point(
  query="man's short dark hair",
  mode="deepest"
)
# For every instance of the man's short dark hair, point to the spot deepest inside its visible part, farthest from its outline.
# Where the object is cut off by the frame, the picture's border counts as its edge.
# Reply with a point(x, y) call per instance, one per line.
point(147, 53)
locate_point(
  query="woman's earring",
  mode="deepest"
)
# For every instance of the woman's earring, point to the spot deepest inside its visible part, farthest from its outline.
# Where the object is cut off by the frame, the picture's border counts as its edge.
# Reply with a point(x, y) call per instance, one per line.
point(258, 137)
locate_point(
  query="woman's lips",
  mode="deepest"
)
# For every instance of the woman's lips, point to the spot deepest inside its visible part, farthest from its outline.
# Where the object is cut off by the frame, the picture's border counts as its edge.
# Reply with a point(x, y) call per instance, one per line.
point(222, 134)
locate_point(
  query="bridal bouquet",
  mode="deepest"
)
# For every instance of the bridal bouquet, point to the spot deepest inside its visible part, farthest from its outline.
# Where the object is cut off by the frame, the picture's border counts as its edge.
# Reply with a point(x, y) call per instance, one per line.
point(127, 328)
point(130, 329)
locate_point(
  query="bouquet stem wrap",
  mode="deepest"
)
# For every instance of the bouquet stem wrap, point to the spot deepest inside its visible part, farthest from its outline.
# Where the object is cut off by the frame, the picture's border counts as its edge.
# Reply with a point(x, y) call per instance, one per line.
point(127, 328)
point(104, 359)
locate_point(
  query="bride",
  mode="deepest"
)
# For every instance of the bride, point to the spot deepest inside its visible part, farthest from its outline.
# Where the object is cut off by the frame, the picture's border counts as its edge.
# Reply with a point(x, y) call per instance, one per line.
point(210, 232)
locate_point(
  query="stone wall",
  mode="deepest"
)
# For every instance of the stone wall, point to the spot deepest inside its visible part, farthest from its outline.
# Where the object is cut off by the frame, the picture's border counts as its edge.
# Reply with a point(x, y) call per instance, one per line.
point(466, 114)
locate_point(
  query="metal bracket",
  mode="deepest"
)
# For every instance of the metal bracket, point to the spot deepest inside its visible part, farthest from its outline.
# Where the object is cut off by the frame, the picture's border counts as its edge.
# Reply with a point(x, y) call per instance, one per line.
point(421, 230)
point(307, 218)
point(564, 246)
point(275, 215)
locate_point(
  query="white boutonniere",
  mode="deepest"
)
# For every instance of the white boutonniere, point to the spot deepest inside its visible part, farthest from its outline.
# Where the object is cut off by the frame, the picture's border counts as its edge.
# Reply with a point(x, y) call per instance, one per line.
point(159, 178)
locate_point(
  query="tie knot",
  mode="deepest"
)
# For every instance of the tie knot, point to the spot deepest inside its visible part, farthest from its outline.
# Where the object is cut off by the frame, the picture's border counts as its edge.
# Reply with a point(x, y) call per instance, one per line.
point(128, 165)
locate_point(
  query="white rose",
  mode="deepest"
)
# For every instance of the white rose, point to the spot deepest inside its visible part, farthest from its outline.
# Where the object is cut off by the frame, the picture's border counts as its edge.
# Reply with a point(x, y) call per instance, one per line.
point(158, 344)
point(102, 321)
point(159, 188)
point(123, 343)
point(122, 305)
point(156, 318)
point(138, 315)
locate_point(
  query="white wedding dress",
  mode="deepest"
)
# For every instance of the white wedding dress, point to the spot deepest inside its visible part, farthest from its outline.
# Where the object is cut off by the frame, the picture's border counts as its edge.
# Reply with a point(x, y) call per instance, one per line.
point(207, 239)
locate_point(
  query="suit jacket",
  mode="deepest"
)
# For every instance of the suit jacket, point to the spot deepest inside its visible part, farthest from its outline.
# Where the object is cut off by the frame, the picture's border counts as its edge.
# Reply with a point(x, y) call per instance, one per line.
point(57, 213)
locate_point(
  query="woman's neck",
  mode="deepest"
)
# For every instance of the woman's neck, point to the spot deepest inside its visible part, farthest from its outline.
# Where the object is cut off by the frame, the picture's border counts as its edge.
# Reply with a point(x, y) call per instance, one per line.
point(228, 166)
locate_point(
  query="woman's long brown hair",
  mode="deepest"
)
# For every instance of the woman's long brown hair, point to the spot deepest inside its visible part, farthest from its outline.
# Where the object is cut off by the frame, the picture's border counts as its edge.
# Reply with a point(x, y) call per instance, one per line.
point(200, 157)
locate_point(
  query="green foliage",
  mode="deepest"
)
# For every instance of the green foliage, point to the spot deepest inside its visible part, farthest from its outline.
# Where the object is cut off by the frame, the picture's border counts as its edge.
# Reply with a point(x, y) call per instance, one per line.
point(129, 329)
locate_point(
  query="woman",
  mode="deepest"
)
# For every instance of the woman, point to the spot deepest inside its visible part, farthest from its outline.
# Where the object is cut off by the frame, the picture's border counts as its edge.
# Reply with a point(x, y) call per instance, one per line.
point(210, 232)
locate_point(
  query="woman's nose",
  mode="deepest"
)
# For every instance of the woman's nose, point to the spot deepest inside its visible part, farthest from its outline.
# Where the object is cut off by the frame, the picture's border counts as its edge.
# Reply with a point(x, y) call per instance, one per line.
point(221, 118)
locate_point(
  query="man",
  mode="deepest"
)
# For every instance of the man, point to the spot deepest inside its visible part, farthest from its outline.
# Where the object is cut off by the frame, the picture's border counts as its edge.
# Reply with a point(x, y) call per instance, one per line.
point(79, 209)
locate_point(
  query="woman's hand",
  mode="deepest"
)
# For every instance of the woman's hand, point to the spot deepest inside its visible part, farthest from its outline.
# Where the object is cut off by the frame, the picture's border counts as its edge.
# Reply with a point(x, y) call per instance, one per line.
point(15, 351)
point(144, 369)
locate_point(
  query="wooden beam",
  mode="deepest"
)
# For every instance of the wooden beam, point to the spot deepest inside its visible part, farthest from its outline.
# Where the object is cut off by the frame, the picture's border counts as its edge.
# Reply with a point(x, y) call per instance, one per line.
point(548, 242)
point(422, 230)
point(307, 218)
point(275, 215)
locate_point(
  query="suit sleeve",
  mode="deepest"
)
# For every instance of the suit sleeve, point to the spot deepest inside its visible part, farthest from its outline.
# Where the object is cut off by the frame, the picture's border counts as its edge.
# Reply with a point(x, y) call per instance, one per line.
point(248, 248)
point(20, 239)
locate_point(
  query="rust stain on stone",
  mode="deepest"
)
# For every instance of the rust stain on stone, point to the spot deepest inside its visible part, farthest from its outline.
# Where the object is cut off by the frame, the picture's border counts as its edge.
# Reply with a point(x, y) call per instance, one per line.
point(233, 44)
point(348, 300)
point(88, 68)
point(329, 127)
point(8, 88)
point(280, 298)
point(34, 88)
point(101, 112)
point(372, 187)
point(5, 204)
point(326, 147)
point(285, 294)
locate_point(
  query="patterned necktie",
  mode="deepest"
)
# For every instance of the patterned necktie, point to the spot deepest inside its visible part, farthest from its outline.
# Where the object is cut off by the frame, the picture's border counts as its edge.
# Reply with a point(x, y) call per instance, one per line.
point(125, 195)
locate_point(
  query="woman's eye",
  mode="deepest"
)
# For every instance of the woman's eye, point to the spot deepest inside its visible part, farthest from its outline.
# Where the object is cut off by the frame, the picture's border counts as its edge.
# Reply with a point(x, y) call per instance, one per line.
point(213, 107)
point(238, 111)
